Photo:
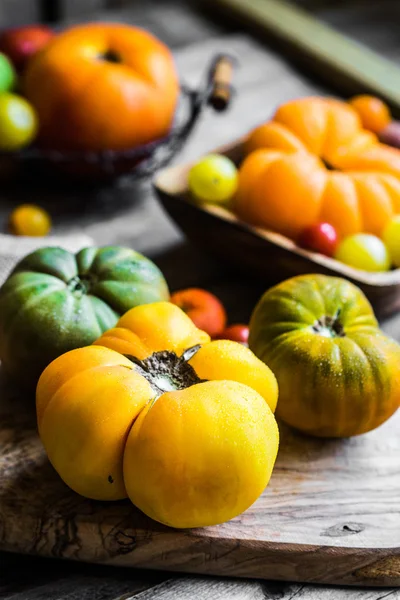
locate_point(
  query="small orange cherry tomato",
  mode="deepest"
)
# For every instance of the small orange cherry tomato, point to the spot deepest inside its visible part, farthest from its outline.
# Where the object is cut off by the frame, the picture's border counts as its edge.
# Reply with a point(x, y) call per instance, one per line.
point(373, 112)
point(206, 310)
point(30, 220)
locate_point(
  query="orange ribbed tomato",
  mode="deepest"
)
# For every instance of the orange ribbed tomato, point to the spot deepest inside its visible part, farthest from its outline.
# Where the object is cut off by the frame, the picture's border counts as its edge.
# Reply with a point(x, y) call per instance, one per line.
point(313, 162)
point(103, 86)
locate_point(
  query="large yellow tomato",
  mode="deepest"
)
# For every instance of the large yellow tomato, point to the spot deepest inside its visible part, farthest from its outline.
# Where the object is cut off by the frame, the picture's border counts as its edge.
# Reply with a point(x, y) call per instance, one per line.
point(338, 374)
point(155, 411)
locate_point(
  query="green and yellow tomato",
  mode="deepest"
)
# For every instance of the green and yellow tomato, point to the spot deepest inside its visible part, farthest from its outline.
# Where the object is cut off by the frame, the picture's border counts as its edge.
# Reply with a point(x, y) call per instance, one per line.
point(338, 374)
point(213, 179)
point(364, 251)
point(55, 301)
point(18, 122)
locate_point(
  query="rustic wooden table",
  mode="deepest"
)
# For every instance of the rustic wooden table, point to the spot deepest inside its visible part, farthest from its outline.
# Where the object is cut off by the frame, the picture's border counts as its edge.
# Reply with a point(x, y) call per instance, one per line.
point(130, 215)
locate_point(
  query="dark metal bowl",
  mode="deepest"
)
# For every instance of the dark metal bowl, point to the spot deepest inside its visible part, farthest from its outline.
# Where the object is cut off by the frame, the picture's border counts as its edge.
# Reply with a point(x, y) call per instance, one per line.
point(136, 163)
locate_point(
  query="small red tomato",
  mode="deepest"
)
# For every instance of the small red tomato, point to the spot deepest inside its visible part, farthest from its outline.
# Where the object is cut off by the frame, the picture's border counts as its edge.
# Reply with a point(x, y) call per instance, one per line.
point(205, 310)
point(236, 333)
point(21, 43)
point(321, 237)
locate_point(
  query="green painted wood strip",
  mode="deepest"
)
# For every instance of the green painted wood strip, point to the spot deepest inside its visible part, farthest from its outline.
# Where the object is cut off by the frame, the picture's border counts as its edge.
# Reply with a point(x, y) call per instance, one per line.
point(340, 60)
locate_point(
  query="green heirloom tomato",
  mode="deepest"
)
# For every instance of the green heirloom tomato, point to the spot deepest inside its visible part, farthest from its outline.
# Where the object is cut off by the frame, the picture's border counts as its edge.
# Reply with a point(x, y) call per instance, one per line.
point(55, 301)
point(338, 374)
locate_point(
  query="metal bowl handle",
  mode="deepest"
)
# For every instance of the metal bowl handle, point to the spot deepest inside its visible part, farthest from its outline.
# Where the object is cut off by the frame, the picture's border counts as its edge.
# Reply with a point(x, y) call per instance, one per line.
point(216, 91)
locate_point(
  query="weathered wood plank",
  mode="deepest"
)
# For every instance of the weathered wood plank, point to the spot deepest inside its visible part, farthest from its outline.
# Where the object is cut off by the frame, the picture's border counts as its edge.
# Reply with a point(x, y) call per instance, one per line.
point(39, 579)
point(225, 589)
point(371, 23)
point(25, 577)
point(217, 589)
point(350, 67)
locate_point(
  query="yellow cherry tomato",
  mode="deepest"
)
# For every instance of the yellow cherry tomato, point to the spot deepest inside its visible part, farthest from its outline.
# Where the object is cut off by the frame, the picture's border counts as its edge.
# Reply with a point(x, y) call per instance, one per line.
point(364, 251)
point(213, 179)
point(30, 220)
point(18, 122)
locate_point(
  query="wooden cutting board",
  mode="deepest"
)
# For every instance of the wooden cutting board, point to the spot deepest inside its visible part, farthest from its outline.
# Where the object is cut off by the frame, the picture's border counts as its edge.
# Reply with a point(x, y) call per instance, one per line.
point(331, 513)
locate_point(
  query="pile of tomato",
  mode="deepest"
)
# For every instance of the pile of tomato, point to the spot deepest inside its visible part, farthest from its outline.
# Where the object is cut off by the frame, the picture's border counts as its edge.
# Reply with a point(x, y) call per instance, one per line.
point(214, 180)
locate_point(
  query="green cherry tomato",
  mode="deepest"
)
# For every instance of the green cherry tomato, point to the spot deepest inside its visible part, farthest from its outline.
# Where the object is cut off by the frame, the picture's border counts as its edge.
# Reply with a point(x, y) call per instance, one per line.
point(391, 237)
point(364, 251)
point(8, 76)
point(213, 179)
point(18, 122)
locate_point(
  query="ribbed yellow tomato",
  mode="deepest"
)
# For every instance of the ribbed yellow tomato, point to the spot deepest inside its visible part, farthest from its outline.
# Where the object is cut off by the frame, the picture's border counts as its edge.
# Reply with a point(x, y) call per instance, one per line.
point(155, 411)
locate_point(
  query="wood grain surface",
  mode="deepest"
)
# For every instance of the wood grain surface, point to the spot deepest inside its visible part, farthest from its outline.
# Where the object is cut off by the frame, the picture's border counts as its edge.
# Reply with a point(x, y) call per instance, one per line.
point(29, 578)
point(131, 216)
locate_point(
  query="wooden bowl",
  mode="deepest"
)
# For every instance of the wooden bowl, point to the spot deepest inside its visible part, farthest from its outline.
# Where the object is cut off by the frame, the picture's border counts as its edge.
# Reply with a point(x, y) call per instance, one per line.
point(266, 254)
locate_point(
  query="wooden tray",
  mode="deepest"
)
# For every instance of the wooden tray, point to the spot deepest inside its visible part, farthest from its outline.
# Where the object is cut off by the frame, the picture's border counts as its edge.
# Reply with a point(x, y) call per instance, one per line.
point(268, 255)
point(330, 514)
